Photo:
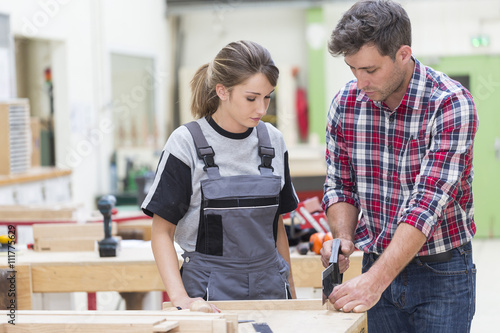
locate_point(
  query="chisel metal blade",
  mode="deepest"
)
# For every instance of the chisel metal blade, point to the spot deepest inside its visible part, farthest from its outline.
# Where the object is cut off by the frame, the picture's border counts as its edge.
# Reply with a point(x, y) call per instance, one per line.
point(331, 276)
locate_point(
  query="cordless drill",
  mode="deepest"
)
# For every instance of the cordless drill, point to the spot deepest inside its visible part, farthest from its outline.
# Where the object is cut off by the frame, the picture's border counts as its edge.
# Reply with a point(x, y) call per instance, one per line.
point(107, 246)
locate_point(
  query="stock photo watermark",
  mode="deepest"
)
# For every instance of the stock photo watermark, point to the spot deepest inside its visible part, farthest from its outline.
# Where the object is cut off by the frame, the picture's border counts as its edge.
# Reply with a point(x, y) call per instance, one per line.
point(11, 278)
point(486, 87)
point(48, 9)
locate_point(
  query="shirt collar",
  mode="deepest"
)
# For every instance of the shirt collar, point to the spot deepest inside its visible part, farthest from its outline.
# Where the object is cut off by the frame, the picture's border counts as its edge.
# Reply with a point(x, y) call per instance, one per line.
point(415, 92)
point(230, 135)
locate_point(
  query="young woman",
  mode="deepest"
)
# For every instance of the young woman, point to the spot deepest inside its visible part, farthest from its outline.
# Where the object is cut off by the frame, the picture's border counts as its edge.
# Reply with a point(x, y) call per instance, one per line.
point(221, 186)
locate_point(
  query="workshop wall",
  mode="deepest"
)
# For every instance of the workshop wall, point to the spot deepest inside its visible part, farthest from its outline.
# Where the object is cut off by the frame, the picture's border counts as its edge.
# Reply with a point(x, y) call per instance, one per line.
point(82, 35)
point(281, 30)
point(439, 28)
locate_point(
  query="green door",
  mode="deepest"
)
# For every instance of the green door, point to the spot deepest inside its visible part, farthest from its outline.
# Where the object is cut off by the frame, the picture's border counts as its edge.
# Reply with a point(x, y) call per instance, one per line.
point(483, 74)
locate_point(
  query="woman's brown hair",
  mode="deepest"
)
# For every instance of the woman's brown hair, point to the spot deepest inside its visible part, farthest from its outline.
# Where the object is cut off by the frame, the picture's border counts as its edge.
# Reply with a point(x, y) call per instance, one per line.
point(233, 65)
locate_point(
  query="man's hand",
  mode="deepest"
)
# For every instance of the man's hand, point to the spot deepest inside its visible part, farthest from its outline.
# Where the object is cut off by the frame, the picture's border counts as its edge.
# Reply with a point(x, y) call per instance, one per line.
point(363, 292)
point(358, 294)
point(346, 248)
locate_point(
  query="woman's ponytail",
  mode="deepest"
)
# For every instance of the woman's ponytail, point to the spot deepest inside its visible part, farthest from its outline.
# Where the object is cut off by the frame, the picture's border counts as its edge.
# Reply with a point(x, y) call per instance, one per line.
point(204, 100)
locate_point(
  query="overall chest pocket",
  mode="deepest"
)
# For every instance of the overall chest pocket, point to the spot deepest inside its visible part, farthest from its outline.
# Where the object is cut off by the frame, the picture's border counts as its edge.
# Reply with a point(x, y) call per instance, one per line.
point(238, 214)
point(410, 161)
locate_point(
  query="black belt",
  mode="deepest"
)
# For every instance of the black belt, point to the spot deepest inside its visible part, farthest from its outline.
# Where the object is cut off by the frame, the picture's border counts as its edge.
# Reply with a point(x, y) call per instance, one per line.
point(440, 257)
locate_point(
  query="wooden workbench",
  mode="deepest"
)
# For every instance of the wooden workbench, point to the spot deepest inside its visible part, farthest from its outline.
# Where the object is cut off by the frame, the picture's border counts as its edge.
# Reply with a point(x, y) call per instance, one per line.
point(281, 316)
point(133, 270)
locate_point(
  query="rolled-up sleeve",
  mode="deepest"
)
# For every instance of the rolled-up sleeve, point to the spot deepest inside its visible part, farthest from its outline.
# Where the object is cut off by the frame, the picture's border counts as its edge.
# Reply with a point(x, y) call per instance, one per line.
point(446, 168)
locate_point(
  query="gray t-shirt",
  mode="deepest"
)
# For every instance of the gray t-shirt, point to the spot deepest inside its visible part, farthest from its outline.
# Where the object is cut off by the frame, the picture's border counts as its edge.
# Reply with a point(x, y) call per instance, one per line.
point(175, 194)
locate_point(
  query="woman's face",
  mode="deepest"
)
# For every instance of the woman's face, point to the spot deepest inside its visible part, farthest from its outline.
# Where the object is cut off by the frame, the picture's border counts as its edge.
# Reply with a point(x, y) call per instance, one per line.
point(244, 105)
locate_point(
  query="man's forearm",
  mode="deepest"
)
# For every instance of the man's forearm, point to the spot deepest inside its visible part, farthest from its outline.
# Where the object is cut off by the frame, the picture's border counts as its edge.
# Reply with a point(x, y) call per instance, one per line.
point(342, 219)
point(405, 244)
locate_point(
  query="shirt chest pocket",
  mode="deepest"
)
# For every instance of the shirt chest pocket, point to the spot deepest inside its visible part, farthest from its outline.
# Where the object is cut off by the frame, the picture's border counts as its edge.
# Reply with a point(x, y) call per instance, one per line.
point(410, 161)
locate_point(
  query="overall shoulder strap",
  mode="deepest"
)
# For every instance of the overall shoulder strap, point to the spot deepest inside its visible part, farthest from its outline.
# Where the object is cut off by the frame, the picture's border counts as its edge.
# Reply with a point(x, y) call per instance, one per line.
point(266, 151)
point(204, 151)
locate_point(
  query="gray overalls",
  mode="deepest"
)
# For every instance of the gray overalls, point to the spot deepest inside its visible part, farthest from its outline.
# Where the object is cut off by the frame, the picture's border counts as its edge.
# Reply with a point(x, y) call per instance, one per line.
point(236, 256)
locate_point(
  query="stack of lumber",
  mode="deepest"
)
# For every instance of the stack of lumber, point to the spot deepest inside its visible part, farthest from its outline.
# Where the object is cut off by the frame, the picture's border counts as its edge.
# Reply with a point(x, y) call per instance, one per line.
point(277, 316)
point(118, 322)
point(285, 316)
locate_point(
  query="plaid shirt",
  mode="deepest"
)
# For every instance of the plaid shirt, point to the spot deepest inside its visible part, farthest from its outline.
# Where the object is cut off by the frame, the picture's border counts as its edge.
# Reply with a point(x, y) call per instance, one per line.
point(412, 165)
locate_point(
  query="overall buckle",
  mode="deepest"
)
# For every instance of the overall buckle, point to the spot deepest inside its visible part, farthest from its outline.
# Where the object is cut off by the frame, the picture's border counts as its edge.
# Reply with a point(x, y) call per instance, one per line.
point(266, 156)
point(207, 155)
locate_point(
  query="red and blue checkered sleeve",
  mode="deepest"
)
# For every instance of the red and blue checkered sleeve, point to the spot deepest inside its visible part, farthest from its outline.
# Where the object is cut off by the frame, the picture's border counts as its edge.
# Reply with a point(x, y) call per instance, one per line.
point(443, 187)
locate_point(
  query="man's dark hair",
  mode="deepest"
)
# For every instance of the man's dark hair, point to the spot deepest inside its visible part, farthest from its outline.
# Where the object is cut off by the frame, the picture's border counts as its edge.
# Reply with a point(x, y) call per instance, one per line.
point(382, 23)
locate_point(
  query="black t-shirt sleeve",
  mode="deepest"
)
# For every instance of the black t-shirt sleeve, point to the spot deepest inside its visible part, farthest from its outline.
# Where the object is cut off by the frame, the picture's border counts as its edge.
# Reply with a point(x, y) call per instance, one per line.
point(171, 192)
point(288, 197)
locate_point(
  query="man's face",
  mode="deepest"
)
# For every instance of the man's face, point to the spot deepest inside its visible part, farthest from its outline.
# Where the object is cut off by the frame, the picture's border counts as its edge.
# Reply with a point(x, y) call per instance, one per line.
point(380, 78)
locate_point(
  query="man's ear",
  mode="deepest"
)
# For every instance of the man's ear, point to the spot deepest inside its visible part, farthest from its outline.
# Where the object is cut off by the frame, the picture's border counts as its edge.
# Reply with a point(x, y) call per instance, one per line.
point(221, 91)
point(404, 54)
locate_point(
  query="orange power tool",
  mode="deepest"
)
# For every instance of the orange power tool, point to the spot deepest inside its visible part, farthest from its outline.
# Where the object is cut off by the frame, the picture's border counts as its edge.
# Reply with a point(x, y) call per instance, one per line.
point(315, 242)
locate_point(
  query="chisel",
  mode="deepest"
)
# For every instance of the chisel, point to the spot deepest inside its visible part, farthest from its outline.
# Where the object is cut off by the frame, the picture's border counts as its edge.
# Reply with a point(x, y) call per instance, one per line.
point(331, 276)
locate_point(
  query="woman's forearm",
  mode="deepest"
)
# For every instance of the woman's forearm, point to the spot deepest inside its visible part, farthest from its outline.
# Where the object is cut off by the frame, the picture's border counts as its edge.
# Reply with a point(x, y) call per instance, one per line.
point(284, 251)
point(162, 243)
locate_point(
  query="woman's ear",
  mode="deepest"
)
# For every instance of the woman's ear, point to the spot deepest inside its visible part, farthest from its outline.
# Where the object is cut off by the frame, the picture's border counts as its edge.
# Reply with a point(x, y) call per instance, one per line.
point(221, 91)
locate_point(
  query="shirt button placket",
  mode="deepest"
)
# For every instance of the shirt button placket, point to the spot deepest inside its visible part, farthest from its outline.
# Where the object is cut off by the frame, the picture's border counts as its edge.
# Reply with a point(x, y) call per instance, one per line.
point(390, 148)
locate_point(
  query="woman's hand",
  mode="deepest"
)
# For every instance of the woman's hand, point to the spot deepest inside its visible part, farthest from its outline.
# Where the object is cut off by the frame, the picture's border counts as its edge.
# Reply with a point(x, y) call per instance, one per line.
point(196, 304)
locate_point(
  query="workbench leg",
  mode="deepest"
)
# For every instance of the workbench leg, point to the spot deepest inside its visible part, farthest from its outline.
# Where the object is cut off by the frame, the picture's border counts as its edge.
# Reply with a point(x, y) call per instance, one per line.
point(92, 301)
point(133, 300)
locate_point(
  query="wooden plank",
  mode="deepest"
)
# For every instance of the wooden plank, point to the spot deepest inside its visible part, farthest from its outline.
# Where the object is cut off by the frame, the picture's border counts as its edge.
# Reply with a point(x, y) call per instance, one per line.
point(89, 323)
point(143, 226)
point(280, 304)
point(133, 267)
point(281, 315)
point(183, 317)
point(307, 269)
point(23, 282)
point(187, 321)
point(38, 213)
point(74, 237)
point(126, 255)
point(24, 287)
point(71, 230)
point(70, 244)
point(34, 174)
point(127, 277)
point(293, 315)
point(200, 324)
point(281, 321)
point(165, 326)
